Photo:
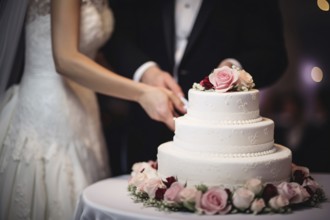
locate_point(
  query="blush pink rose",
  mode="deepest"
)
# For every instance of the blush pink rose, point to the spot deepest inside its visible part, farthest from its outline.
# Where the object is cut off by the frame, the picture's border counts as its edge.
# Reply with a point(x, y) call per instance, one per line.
point(172, 193)
point(286, 189)
point(213, 201)
point(294, 192)
point(223, 78)
point(242, 198)
point(301, 194)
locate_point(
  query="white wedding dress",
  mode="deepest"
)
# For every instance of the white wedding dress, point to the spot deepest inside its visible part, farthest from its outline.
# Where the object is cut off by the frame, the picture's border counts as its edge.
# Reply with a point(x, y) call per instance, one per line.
point(51, 146)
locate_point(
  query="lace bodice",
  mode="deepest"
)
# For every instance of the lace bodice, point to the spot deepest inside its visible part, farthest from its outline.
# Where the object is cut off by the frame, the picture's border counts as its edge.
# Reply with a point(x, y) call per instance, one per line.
point(42, 7)
point(96, 25)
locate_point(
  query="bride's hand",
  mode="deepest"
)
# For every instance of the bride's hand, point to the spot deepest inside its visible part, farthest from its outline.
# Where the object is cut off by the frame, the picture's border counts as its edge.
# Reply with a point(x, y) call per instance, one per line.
point(161, 105)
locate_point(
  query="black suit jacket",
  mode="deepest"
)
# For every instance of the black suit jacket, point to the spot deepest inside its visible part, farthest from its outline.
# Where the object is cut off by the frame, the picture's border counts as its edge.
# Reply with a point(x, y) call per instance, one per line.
point(249, 31)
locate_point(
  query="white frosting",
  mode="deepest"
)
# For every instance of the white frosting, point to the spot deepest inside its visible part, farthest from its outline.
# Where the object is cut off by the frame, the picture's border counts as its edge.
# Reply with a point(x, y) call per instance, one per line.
point(218, 107)
point(193, 135)
point(195, 169)
point(222, 140)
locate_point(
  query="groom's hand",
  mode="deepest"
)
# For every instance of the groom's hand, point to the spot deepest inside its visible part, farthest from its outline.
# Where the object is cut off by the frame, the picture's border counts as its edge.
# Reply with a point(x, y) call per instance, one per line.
point(160, 103)
point(156, 77)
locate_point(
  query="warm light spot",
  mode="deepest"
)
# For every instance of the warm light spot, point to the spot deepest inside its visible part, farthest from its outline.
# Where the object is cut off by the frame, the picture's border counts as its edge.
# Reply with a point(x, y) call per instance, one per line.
point(317, 74)
point(323, 5)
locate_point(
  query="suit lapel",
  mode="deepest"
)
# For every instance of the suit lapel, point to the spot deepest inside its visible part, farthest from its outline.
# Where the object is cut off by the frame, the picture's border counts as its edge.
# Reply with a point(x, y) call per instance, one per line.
point(206, 8)
point(169, 27)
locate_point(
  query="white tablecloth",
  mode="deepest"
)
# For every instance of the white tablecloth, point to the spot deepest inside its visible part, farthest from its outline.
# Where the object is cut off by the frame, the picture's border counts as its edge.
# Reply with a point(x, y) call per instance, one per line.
point(109, 199)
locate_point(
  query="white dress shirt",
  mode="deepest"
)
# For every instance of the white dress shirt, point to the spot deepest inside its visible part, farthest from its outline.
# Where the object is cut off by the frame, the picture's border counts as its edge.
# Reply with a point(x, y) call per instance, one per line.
point(186, 12)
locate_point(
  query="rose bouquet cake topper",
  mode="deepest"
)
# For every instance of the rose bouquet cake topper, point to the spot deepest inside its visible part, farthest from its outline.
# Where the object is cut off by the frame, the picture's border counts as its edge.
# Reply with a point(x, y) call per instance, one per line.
point(225, 79)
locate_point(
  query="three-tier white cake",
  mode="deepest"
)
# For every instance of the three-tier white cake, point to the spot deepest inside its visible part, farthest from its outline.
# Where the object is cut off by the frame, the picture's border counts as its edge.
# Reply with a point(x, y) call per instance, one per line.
point(222, 140)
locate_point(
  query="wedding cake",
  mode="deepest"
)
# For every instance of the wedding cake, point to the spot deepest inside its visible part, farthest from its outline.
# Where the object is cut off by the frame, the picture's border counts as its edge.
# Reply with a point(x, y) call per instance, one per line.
point(223, 158)
point(223, 140)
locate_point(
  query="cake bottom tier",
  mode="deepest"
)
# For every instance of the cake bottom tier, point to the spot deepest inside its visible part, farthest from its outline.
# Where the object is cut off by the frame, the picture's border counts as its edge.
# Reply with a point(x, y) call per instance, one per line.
point(195, 169)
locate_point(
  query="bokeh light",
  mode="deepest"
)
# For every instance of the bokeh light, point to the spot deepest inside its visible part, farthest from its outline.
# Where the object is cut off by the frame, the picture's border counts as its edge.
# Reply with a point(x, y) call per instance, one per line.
point(323, 5)
point(317, 74)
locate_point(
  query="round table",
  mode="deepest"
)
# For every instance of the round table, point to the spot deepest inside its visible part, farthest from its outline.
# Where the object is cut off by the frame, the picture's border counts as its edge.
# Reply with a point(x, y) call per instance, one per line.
point(109, 199)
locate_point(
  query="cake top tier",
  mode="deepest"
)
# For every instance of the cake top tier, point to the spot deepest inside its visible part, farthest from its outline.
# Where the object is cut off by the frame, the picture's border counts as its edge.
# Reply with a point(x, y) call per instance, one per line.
point(229, 107)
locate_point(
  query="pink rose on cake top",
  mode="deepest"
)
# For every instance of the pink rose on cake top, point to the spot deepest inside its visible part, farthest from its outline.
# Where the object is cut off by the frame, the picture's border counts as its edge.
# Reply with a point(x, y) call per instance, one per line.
point(223, 158)
point(225, 79)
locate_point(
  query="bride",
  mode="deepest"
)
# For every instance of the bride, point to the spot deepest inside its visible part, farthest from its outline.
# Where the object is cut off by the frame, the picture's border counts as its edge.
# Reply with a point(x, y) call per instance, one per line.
point(51, 145)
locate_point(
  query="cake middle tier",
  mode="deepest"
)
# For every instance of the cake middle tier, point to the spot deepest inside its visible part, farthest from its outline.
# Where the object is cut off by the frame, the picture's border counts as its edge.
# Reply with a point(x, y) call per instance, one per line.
point(199, 136)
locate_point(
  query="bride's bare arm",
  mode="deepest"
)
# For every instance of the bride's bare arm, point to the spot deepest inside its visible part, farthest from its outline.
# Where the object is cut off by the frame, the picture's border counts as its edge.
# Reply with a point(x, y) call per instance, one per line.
point(65, 23)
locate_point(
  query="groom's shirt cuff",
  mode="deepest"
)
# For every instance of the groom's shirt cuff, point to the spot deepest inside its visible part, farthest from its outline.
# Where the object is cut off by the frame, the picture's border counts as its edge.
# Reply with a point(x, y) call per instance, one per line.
point(140, 71)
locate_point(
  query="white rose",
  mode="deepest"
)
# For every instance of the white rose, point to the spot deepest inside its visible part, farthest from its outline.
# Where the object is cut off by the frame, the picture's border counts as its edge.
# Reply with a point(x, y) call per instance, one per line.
point(242, 198)
point(255, 185)
point(198, 86)
point(278, 202)
point(245, 80)
point(139, 167)
point(257, 205)
point(151, 173)
point(138, 179)
point(188, 194)
point(151, 186)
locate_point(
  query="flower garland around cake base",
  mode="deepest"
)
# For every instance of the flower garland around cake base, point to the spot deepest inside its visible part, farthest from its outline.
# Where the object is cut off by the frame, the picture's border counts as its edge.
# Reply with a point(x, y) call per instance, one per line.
point(255, 197)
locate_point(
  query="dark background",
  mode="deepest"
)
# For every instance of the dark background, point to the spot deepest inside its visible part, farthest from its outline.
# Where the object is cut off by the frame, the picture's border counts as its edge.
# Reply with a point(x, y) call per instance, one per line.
point(298, 105)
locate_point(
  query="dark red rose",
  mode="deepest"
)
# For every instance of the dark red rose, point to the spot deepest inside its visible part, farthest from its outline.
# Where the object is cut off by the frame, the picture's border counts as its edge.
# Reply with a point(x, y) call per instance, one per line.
point(228, 192)
point(206, 83)
point(299, 176)
point(169, 181)
point(309, 190)
point(159, 195)
point(269, 192)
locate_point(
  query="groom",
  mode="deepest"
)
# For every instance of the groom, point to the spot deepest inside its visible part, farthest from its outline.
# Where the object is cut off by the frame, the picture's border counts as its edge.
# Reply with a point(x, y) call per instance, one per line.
point(174, 43)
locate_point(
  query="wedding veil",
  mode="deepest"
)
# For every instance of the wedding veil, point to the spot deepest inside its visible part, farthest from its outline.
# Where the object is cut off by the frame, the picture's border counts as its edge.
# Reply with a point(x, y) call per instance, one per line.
point(12, 15)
